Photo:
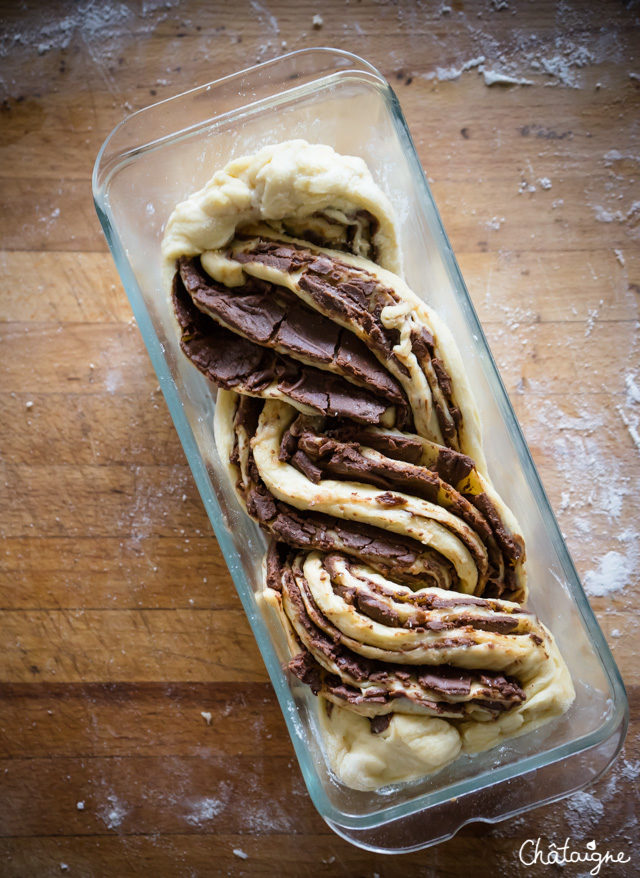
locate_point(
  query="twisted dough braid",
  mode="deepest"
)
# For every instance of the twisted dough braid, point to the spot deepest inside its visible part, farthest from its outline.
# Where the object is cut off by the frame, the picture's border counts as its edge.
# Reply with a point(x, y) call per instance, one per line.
point(348, 427)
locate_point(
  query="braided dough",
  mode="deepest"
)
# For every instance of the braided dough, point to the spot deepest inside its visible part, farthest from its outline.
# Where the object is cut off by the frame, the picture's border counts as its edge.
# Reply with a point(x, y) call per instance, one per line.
point(349, 430)
point(298, 188)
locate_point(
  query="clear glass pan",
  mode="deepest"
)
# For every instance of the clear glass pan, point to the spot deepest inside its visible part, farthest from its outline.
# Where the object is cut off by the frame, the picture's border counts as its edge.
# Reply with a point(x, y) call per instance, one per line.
point(157, 157)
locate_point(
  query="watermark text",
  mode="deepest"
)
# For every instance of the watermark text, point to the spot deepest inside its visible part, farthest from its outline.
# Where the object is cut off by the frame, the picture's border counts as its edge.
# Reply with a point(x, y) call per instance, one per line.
point(534, 850)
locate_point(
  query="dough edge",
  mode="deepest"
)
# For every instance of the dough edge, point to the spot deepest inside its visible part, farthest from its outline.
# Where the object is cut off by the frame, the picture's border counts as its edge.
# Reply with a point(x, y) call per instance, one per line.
point(413, 747)
point(288, 180)
point(294, 179)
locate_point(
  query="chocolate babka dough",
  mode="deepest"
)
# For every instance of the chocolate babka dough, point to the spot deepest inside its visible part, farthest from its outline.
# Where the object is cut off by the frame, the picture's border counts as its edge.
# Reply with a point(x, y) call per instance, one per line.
point(349, 430)
point(298, 188)
point(412, 746)
point(451, 671)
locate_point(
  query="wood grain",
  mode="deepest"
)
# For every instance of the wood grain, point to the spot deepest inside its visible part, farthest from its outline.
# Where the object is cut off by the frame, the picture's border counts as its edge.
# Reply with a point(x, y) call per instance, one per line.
point(119, 624)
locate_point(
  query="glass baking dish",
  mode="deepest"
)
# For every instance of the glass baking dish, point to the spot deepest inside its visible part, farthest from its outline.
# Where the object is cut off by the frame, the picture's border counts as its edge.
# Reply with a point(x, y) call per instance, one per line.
point(157, 157)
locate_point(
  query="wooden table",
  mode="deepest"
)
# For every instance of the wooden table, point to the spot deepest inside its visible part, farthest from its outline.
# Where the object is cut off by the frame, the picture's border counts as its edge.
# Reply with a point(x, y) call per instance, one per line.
point(120, 625)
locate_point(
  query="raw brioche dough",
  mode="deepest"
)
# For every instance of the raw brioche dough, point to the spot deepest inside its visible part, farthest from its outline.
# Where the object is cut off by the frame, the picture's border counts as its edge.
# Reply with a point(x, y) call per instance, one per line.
point(287, 181)
point(408, 315)
point(268, 231)
point(426, 522)
point(413, 746)
point(549, 693)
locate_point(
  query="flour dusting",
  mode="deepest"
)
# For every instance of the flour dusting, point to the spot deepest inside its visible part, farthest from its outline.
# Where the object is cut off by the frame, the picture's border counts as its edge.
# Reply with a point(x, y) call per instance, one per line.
point(491, 77)
point(630, 217)
point(584, 812)
point(494, 223)
point(561, 55)
point(114, 813)
point(630, 770)
point(615, 570)
point(203, 810)
point(630, 411)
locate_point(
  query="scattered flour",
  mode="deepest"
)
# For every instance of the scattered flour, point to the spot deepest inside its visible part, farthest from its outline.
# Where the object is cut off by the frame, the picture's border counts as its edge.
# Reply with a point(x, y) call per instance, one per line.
point(114, 813)
point(80, 806)
point(614, 155)
point(631, 425)
point(445, 74)
point(491, 77)
point(206, 716)
point(544, 183)
point(630, 218)
point(592, 316)
point(238, 852)
point(598, 489)
point(631, 770)
point(559, 55)
point(620, 257)
point(630, 411)
point(613, 795)
point(564, 64)
point(615, 570)
point(113, 380)
point(633, 391)
point(203, 810)
point(494, 223)
point(584, 812)
point(265, 17)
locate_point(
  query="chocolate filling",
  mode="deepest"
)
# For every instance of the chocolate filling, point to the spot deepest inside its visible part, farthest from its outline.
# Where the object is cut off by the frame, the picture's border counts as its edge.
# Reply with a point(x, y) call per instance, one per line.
point(448, 415)
point(234, 363)
point(375, 607)
point(452, 466)
point(273, 317)
point(259, 337)
point(319, 455)
point(388, 553)
point(337, 289)
point(380, 723)
point(342, 235)
point(355, 296)
point(511, 547)
point(275, 563)
point(439, 684)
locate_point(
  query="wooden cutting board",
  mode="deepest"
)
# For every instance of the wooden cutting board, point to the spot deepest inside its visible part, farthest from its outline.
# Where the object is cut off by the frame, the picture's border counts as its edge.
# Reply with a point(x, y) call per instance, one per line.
point(138, 732)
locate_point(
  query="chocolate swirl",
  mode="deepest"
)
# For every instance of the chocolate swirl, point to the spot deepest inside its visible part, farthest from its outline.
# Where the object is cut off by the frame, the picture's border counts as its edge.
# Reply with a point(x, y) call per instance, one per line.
point(348, 427)
point(378, 647)
point(312, 486)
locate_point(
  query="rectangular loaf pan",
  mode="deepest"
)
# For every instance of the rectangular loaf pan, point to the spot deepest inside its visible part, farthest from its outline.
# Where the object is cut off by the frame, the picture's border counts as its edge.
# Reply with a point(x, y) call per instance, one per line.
point(156, 158)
